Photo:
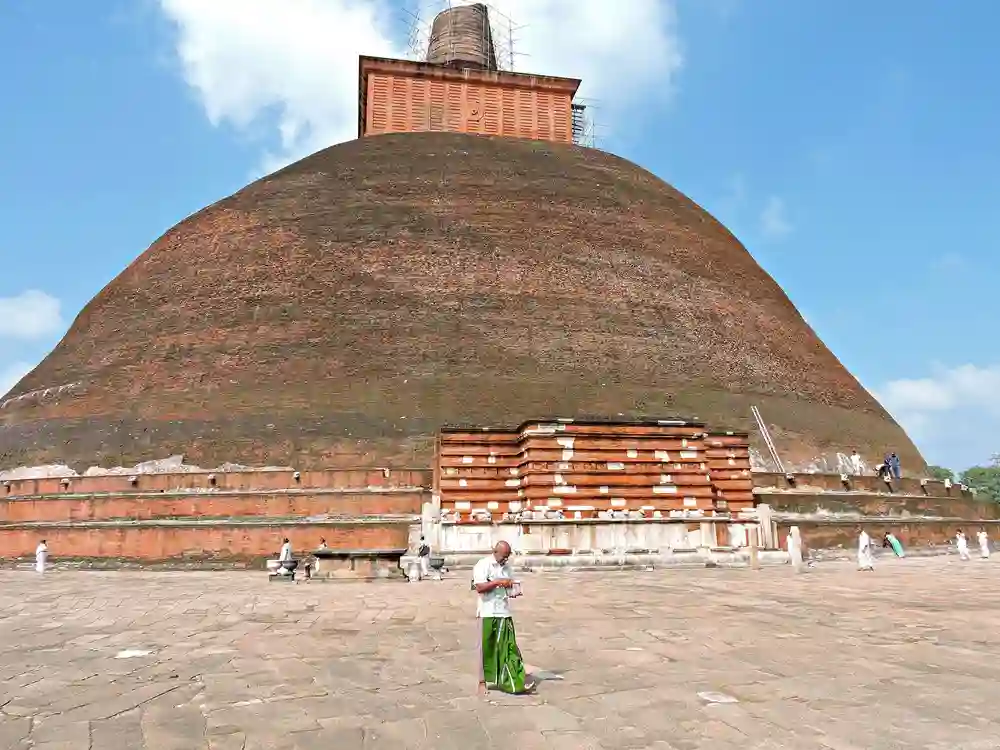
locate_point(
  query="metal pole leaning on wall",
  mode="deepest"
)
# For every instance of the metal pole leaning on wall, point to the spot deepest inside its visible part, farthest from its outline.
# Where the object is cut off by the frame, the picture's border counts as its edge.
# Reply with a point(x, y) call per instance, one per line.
point(767, 439)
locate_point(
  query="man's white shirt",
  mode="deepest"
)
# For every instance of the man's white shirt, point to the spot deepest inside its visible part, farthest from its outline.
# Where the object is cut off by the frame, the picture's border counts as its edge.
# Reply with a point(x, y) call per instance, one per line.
point(493, 603)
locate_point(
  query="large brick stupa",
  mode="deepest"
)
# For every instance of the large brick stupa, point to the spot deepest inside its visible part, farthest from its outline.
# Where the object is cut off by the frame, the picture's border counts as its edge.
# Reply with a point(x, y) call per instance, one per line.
point(463, 261)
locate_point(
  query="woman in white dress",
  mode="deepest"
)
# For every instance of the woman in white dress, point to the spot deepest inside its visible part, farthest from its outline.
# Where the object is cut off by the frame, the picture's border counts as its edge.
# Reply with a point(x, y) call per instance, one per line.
point(866, 561)
point(963, 545)
point(984, 544)
point(41, 556)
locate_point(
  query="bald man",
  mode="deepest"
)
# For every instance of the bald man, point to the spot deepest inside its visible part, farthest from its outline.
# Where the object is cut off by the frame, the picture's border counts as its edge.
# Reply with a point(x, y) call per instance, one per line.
point(500, 663)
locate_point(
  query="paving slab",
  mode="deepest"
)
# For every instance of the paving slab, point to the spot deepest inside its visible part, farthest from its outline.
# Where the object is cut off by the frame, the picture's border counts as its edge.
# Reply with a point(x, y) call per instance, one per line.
point(832, 659)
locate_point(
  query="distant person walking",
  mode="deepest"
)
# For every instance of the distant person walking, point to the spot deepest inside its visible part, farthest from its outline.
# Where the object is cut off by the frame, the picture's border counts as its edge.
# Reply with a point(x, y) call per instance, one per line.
point(962, 544)
point(424, 553)
point(866, 560)
point(893, 543)
point(41, 556)
point(984, 544)
point(857, 465)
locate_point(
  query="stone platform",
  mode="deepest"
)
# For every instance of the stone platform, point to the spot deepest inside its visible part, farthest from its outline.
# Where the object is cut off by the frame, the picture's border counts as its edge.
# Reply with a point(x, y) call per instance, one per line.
point(831, 659)
point(238, 518)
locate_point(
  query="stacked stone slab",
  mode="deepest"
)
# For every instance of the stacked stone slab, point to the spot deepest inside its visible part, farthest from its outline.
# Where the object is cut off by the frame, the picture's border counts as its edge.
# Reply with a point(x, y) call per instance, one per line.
point(728, 457)
point(584, 468)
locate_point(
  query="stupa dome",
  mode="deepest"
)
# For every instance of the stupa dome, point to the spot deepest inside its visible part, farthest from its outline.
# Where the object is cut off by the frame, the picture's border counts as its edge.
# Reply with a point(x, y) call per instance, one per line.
point(339, 311)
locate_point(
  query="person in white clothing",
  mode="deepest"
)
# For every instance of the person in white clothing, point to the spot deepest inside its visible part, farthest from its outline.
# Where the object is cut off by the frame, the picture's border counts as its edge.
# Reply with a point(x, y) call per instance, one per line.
point(857, 466)
point(866, 560)
point(283, 556)
point(984, 543)
point(963, 545)
point(41, 556)
point(500, 662)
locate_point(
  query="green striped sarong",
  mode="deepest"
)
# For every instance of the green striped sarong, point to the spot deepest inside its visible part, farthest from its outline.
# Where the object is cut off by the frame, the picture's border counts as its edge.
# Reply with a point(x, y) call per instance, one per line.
point(503, 667)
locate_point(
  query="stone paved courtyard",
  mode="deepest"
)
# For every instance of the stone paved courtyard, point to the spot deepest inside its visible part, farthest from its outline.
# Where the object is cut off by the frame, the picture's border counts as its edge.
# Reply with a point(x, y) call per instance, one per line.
point(903, 658)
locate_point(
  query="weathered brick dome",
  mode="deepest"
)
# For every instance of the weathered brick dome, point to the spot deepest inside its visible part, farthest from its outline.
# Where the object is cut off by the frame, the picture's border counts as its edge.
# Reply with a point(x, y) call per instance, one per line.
point(339, 311)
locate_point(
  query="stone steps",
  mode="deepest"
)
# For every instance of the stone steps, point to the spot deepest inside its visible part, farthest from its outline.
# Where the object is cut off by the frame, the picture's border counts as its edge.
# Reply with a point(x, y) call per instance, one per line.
point(220, 505)
point(263, 480)
point(869, 483)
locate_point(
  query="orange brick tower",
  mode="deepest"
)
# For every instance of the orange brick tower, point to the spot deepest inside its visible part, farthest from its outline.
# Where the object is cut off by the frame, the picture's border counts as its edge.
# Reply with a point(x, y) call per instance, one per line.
point(460, 89)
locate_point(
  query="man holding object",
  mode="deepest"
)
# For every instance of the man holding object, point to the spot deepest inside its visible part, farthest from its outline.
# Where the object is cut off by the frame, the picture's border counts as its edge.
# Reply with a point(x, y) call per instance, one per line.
point(500, 663)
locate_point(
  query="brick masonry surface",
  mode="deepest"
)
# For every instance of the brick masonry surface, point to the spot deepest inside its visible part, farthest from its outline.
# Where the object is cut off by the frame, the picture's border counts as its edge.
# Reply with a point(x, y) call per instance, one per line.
point(828, 660)
point(218, 541)
point(339, 311)
point(228, 505)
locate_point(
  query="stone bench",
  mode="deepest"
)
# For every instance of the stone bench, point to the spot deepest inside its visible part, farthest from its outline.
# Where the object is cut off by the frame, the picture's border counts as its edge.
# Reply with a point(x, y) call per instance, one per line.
point(357, 563)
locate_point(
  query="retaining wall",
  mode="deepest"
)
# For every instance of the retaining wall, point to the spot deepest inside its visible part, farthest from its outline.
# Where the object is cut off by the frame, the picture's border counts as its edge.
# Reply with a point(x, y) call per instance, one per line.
point(913, 533)
point(249, 541)
point(142, 506)
point(208, 481)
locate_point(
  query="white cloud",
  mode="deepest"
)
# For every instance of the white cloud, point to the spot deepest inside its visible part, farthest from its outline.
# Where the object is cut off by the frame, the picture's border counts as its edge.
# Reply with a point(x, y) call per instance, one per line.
point(11, 374)
point(30, 315)
point(954, 414)
point(957, 387)
point(774, 223)
point(291, 65)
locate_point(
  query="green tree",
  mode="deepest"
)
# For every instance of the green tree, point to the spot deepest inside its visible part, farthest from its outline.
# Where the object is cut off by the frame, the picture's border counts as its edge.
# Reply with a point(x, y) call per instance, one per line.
point(940, 473)
point(985, 479)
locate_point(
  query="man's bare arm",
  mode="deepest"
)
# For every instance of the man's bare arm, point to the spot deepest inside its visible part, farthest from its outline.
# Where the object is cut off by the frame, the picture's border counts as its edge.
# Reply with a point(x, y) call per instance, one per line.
point(483, 588)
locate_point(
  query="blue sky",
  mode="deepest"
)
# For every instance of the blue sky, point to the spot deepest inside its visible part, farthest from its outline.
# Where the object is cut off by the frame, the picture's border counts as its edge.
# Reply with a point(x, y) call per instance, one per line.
point(853, 147)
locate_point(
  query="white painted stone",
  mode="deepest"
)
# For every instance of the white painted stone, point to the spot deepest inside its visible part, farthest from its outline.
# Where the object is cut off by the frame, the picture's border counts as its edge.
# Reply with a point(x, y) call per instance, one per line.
point(710, 697)
point(132, 653)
